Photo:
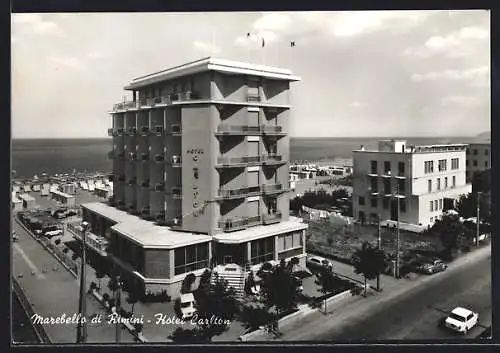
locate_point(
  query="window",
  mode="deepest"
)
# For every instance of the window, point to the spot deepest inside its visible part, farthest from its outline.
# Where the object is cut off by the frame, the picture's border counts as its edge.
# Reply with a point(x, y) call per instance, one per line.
point(467, 151)
point(429, 185)
point(438, 184)
point(401, 187)
point(402, 205)
point(442, 165)
point(196, 173)
point(475, 152)
point(373, 167)
point(385, 203)
point(445, 182)
point(440, 204)
point(428, 167)
point(435, 205)
point(454, 163)
point(361, 201)
point(454, 181)
point(387, 167)
point(374, 202)
point(486, 152)
point(387, 187)
point(401, 168)
point(431, 206)
point(289, 241)
point(467, 163)
point(190, 258)
point(374, 184)
point(486, 164)
point(262, 250)
point(475, 163)
point(432, 219)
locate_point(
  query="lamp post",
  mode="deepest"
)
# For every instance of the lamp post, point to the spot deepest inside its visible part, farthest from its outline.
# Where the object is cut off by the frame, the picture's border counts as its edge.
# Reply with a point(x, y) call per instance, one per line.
point(379, 246)
point(397, 230)
point(117, 307)
point(477, 219)
point(82, 305)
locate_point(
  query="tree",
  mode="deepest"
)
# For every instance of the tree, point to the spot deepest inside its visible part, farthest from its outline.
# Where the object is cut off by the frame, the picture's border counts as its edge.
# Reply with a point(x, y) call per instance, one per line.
point(467, 206)
point(216, 308)
point(254, 316)
point(99, 274)
point(58, 241)
point(327, 282)
point(181, 335)
point(452, 233)
point(132, 298)
point(280, 289)
point(206, 277)
point(187, 283)
point(481, 181)
point(138, 328)
point(369, 261)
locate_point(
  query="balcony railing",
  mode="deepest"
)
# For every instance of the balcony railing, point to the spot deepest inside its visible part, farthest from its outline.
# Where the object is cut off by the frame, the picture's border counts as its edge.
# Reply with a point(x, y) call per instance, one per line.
point(271, 218)
point(144, 129)
point(273, 159)
point(145, 183)
point(224, 129)
point(160, 187)
point(271, 129)
point(144, 156)
point(132, 130)
point(238, 161)
point(126, 105)
point(111, 132)
point(175, 129)
point(253, 98)
point(145, 211)
point(234, 224)
point(229, 194)
point(269, 189)
point(159, 158)
point(158, 129)
point(119, 131)
point(176, 193)
point(132, 156)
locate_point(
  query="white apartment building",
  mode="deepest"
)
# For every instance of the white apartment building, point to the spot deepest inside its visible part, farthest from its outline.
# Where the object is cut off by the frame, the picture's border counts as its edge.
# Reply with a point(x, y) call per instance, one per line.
point(424, 179)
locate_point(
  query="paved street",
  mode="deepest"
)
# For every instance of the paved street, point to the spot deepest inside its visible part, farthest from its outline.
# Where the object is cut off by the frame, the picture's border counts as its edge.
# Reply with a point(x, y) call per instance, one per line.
point(53, 293)
point(407, 309)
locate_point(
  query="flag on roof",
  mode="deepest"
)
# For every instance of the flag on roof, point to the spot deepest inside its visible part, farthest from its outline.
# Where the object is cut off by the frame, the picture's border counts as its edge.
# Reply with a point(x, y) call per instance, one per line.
point(263, 43)
point(292, 44)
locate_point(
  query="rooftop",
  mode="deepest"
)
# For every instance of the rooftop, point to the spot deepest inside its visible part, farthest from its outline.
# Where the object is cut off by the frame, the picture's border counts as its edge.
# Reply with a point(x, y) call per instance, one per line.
point(213, 64)
point(145, 233)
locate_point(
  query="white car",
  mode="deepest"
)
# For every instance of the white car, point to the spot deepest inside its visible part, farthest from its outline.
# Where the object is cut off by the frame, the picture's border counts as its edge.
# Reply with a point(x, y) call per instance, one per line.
point(316, 262)
point(188, 308)
point(461, 320)
point(53, 233)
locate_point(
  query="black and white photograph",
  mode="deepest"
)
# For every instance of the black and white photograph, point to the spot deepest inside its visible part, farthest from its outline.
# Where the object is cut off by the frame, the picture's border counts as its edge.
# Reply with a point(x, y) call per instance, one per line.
point(249, 177)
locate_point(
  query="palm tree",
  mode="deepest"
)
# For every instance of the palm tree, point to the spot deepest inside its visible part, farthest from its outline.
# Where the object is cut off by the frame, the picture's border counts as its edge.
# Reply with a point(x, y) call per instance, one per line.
point(369, 261)
point(327, 282)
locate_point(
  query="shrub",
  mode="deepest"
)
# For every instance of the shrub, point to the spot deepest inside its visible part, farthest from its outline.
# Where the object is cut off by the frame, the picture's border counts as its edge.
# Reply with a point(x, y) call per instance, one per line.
point(177, 308)
point(161, 297)
point(105, 297)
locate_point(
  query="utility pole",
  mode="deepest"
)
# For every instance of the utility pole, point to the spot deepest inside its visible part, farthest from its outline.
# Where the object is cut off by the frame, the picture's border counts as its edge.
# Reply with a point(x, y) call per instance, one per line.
point(117, 308)
point(397, 230)
point(379, 246)
point(81, 334)
point(477, 220)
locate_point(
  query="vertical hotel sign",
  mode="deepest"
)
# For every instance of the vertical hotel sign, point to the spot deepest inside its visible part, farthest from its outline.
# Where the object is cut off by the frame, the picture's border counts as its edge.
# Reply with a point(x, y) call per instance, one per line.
point(196, 154)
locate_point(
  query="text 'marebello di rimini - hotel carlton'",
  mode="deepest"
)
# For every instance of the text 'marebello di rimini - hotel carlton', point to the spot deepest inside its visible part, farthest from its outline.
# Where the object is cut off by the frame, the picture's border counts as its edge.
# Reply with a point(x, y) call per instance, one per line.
point(200, 164)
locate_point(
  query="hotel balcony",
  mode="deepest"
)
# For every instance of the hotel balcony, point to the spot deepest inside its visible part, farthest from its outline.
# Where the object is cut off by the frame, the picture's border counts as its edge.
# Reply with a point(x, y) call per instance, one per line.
point(176, 161)
point(175, 129)
point(158, 130)
point(238, 130)
point(273, 189)
point(146, 213)
point(159, 158)
point(145, 183)
point(120, 154)
point(144, 157)
point(132, 181)
point(111, 132)
point(119, 131)
point(132, 131)
point(234, 224)
point(160, 187)
point(176, 193)
point(144, 130)
point(238, 162)
point(253, 98)
point(273, 131)
point(92, 241)
point(126, 105)
point(132, 156)
point(271, 218)
point(151, 102)
point(232, 194)
point(273, 159)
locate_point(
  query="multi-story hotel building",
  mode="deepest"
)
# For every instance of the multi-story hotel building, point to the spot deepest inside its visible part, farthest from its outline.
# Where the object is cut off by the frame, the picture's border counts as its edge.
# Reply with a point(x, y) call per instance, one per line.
point(478, 158)
point(200, 163)
point(423, 178)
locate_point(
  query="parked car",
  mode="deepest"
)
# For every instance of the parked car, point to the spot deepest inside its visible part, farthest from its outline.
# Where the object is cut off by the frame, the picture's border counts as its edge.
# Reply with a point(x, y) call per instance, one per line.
point(461, 320)
point(433, 266)
point(53, 233)
point(316, 262)
point(188, 306)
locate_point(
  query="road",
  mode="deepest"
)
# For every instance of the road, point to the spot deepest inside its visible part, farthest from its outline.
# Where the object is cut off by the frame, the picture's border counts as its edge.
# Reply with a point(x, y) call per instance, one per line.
point(416, 314)
point(53, 291)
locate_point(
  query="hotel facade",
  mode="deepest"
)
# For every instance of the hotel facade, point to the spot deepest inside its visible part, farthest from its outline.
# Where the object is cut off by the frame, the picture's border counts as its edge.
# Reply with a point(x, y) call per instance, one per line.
point(201, 175)
point(425, 179)
point(478, 158)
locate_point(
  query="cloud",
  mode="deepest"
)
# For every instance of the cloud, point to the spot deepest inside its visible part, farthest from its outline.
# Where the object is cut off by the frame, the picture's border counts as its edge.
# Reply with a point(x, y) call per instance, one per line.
point(206, 47)
point(36, 23)
point(273, 22)
point(454, 44)
point(70, 62)
point(460, 100)
point(96, 55)
point(475, 73)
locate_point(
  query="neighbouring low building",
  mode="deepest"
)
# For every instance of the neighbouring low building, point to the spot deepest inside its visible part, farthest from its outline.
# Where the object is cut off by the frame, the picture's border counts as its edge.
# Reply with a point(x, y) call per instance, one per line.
point(425, 179)
point(478, 158)
point(200, 163)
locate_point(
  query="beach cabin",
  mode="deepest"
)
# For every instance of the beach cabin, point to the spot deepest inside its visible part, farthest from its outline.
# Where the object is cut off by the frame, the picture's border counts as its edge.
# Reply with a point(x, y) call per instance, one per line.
point(63, 198)
point(54, 187)
point(102, 192)
point(27, 187)
point(68, 188)
point(36, 187)
point(16, 188)
point(29, 202)
point(91, 185)
point(45, 191)
point(17, 204)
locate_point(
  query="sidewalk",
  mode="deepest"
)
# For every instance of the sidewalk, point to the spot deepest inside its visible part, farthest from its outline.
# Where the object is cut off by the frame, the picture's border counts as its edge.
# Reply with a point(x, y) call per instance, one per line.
point(316, 322)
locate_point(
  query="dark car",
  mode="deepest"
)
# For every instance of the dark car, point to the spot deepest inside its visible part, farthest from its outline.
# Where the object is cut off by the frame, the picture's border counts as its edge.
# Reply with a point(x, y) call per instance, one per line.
point(431, 267)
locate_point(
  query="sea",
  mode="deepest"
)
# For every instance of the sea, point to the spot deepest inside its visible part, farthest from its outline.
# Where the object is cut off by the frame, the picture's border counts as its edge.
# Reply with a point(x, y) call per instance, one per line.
point(59, 156)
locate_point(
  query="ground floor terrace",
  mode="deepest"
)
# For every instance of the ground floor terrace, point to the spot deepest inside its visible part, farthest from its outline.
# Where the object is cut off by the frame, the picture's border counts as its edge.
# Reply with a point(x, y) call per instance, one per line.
point(156, 258)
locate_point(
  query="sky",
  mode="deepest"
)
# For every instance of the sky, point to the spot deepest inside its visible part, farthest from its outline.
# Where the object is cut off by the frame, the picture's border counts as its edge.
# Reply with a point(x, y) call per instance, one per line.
point(364, 73)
